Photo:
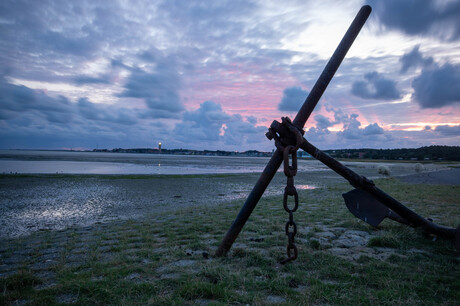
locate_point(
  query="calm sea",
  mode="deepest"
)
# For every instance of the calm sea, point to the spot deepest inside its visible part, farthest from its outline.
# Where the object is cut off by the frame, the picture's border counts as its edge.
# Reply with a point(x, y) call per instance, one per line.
point(74, 162)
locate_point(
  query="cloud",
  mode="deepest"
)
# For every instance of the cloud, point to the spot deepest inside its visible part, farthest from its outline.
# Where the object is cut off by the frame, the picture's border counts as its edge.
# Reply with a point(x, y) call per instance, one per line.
point(322, 122)
point(316, 134)
point(210, 124)
point(68, 43)
point(414, 59)
point(18, 99)
point(292, 100)
point(97, 112)
point(15, 99)
point(33, 119)
point(351, 128)
point(437, 86)
point(203, 124)
point(420, 17)
point(375, 87)
point(373, 129)
point(251, 119)
point(446, 130)
point(159, 89)
point(85, 79)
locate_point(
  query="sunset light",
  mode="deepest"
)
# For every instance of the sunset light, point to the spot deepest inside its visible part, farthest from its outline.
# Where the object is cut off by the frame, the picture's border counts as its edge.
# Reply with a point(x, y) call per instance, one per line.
point(216, 76)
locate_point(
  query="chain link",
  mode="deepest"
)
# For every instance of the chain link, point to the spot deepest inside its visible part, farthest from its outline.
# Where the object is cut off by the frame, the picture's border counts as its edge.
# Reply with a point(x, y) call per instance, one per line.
point(291, 228)
point(290, 170)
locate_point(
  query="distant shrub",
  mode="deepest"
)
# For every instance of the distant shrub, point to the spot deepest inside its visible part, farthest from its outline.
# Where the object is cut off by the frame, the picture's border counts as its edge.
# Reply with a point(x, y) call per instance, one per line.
point(419, 168)
point(384, 170)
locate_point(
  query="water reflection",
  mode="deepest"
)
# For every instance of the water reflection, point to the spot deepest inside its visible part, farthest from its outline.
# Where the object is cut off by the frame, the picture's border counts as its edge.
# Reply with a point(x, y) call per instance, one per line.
point(305, 187)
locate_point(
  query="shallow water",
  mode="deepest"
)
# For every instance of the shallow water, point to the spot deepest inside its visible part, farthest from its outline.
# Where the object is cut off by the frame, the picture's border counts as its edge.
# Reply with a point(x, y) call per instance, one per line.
point(29, 204)
point(48, 162)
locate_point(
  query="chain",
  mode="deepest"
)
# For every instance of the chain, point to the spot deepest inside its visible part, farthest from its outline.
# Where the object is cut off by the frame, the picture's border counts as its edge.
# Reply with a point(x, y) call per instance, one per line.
point(290, 171)
point(291, 228)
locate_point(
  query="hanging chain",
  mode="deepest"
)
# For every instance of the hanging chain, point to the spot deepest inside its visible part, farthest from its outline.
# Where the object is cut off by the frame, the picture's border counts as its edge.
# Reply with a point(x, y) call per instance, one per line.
point(291, 228)
point(290, 171)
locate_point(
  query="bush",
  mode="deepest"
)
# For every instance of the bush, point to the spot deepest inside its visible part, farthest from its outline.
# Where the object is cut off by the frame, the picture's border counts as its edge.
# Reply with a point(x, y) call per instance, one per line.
point(419, 168)
point(384, 170)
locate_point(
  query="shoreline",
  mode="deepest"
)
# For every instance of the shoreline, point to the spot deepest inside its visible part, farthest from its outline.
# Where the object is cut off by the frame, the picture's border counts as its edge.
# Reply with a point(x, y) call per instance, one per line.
point(32, 203)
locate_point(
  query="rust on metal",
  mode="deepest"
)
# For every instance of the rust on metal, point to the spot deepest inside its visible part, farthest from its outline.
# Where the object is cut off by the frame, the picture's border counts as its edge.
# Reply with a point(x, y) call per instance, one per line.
point(358, 181)
point(299, 121)
point(366, 202)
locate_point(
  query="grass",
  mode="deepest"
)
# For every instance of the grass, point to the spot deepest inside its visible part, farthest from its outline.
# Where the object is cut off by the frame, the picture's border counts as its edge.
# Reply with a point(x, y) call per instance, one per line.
point(161, 259)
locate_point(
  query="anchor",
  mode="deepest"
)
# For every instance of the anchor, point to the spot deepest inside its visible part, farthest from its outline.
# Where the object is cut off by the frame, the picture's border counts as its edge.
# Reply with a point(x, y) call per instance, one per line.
point(367, 202)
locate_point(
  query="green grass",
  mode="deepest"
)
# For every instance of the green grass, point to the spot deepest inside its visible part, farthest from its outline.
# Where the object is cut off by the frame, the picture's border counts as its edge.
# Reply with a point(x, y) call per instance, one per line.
point(159, 260)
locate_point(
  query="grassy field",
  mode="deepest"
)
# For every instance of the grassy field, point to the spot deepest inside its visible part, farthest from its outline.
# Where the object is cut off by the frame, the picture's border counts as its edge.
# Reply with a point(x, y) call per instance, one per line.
point(168, 258)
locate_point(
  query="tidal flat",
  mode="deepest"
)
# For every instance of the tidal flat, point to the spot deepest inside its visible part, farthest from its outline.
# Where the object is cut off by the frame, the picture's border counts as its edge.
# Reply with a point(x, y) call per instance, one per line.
point(150, 240)
point(43, 202)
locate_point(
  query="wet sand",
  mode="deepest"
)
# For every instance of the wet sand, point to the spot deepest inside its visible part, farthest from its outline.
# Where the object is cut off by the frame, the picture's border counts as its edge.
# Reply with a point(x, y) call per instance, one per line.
point(30, 204)
point(443, 177)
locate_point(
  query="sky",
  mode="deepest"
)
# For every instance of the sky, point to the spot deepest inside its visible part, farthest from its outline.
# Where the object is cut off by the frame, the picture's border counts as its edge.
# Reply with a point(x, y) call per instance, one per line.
point(214, 74)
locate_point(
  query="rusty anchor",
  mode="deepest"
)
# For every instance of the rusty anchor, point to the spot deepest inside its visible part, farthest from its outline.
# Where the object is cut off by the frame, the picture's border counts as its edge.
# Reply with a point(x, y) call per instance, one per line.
point(366, 201)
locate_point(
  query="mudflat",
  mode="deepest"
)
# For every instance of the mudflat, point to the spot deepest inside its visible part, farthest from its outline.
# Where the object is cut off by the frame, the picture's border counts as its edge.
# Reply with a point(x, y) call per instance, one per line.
point(33, 203)
point(442, 177)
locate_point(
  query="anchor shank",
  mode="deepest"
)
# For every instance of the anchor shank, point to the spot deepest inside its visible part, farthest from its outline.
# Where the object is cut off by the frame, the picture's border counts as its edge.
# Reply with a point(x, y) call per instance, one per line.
point(251, 202)
point(358, 181)
point(331, 67)
point(299, 121)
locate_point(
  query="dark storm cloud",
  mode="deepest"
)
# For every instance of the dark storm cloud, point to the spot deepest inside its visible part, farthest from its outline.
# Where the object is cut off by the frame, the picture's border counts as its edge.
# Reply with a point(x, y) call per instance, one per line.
point(437, 86)
point(420, 17)
point(375, 87)
point(414, 59)
point(292, 100)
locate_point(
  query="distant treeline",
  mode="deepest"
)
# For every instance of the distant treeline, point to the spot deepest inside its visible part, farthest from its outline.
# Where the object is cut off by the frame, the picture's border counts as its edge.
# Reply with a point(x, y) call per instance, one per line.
point(250, 153)
point(424, 153)
point(450, 153)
